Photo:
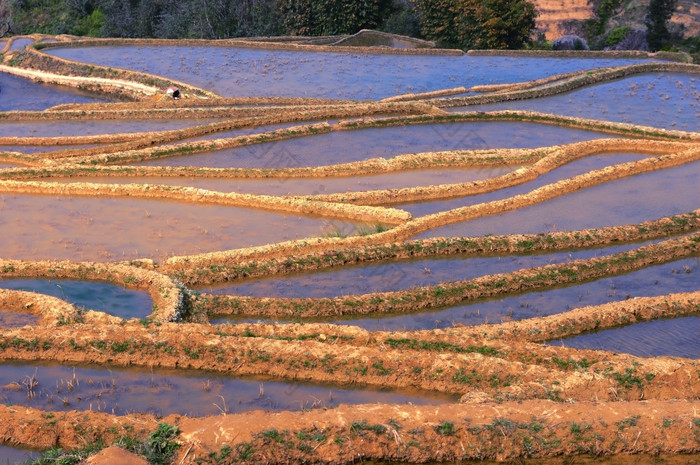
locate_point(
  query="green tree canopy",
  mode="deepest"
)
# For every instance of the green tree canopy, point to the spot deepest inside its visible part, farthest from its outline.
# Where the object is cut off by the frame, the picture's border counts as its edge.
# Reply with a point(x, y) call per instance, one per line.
point(656, 21)
point(477, 24)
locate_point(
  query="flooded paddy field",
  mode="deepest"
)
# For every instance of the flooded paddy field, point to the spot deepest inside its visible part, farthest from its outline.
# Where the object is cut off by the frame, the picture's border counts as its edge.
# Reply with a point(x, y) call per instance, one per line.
point(310, 186)
point(160, 392)
point(310, 280)
point(76, 228)
point(85, 128)
point(12, 455)
point(652, 281)
point(361, 144)
point(574, 168)
point(668, 101)
point(318, 74)
point(13, 319)
point(624, 201)
point(17, 93)
point(648, 282)
point(108, 298)
point(396, 276)
point(675, 337)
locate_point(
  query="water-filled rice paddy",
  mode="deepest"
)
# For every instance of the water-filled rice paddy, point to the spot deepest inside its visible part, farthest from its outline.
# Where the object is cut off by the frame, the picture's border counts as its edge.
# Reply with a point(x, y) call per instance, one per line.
point(312, 186)
point(12, 455)
point(76, 228)
point(574, 168)
point(354, 145)
point(22, 94)
point(674, 337)
point(14, 319)
point(19, 44)
point(122, 231)
point(625, 201)
point(88, 128)
point(105, 297)
point(161, 392)
point(319, 74)
point(656, 280)
point(399, 275)
point(670, 101)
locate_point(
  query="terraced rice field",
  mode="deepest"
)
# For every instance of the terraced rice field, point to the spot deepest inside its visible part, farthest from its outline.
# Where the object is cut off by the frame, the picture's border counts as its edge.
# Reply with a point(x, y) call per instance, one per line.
point(331, 255)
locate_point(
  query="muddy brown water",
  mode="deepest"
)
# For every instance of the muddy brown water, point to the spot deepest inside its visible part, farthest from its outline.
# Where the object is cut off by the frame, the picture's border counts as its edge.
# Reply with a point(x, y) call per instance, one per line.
point(355, 145)
point(677, 337)
point(161, 392)
point(359, 76)
point(22, 94)
point(663, 100)
point(397, 275)
point(310, 186)
point(88, 128)
point(105, 297)
point(110, 229)
point(14, 319)
point(629, 200)
point(656, 280)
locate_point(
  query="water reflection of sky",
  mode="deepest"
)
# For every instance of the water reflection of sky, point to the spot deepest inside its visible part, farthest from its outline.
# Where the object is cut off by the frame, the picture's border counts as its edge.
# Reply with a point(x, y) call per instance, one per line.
point(236, 72)
point(115, 300)
point(361, 144)
point(670, 101)
point(17, 93)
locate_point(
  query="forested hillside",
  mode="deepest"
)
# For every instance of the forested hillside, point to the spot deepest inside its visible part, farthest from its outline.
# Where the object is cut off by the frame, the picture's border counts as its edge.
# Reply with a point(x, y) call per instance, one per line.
point(452, 23)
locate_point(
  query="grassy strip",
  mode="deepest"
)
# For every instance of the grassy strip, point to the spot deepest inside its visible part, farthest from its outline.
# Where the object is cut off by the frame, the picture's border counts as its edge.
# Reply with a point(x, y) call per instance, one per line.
point(453, 293)
point(467, 246)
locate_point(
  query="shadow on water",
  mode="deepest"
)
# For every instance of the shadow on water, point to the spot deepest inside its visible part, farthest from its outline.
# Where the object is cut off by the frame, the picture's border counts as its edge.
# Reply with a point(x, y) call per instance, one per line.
point(161, 392)
point(356, 76)
point(108, 298)
point(361, 144)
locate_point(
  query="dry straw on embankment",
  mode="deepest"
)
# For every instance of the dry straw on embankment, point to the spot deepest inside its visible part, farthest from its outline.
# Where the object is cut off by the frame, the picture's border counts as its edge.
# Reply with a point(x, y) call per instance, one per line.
point(523, 399)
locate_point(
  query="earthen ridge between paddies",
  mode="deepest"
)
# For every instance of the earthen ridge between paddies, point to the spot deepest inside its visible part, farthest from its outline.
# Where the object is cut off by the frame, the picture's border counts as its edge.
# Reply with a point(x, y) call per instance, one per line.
point(512, 397)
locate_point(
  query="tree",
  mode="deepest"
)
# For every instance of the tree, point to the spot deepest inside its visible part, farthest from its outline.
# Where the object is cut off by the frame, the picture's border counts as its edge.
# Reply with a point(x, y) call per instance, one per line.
point(330, 17)
point(656, 21)
point(6, 26)
point(472, 24)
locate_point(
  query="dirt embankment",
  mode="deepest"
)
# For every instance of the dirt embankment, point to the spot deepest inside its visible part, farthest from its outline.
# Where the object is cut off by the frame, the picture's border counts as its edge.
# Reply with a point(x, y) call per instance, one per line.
point(518, 398)
point(392, 433)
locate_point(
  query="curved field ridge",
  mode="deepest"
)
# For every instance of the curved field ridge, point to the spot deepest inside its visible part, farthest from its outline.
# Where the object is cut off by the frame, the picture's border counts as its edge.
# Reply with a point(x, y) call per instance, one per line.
point(519, 398)
point(169, 299)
